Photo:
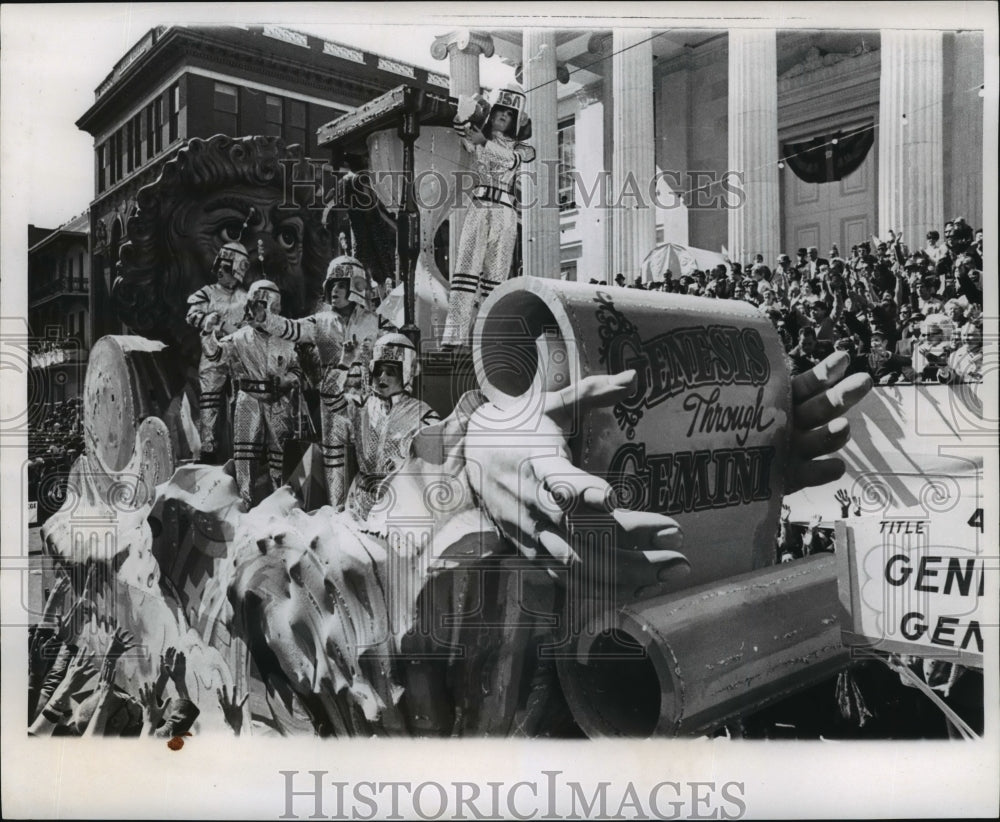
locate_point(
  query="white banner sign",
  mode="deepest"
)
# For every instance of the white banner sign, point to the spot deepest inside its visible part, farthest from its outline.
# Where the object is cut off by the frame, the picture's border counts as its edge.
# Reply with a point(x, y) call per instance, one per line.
point(919, 585)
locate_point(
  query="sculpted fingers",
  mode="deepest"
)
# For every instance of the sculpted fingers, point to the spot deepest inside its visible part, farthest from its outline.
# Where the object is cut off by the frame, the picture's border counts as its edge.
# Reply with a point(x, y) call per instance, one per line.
point(591, 392)
point(820, 377)
point(648, 531)
point(557, 547)
point(569, 486)
point(833, 402)
point(823, 440)
point(814, 472)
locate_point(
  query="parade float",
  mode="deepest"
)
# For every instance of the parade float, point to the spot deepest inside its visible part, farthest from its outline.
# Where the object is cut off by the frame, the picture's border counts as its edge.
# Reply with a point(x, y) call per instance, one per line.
point(439, 621)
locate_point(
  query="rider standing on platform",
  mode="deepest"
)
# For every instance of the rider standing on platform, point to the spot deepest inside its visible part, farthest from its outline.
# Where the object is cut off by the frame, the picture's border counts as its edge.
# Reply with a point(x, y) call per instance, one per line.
point(265, 370)
point(227, 299)
point(489, 234)
point(344, 337)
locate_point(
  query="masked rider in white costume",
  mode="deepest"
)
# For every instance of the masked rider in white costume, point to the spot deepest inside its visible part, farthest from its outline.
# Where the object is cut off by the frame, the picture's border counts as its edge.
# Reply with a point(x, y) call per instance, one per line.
point(264, 370)
point(227, 299)
point(489, 233)
point(344, 337)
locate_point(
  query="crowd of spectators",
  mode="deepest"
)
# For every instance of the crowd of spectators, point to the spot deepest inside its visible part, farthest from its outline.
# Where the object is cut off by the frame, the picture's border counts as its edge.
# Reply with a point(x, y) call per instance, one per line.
point(800, 539)
point(54, 442)
point(903, 314)
point(73, 692)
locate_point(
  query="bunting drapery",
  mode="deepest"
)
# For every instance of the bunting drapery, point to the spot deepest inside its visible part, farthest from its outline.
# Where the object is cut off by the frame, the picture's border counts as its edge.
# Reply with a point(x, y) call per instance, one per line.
point(820, 160)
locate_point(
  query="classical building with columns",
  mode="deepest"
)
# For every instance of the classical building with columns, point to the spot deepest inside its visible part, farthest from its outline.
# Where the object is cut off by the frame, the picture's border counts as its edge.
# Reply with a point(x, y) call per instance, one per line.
point(752, 140)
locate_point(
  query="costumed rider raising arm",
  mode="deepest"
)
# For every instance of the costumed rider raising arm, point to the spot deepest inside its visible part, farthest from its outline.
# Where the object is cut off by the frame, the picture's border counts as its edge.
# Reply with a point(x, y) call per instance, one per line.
point(264, 369)
point(489, 233)
point(226, 299)
point(344, 336)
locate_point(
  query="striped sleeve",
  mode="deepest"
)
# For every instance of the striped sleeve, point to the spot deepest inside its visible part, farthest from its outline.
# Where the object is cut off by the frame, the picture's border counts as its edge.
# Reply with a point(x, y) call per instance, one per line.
point(199, 307)
point(295, 331)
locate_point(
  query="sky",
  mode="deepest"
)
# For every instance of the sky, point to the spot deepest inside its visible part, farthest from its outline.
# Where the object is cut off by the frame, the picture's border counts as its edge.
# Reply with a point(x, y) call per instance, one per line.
point(54, 56)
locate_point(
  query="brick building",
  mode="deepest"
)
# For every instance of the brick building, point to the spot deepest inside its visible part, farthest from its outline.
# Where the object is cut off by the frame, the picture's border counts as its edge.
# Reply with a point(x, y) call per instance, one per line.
point(180, 82)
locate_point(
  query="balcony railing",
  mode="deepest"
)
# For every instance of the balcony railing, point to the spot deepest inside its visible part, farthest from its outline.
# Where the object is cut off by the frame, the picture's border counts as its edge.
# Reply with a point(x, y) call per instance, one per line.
point(55, 352)
point(58, 287)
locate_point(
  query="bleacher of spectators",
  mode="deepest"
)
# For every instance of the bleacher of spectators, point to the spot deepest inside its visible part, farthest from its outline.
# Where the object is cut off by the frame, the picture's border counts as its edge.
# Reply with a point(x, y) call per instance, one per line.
point(904, 314)
point(54, 442)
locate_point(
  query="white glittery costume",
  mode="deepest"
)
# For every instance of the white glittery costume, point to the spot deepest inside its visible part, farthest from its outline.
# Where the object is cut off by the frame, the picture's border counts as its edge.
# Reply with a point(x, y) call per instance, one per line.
point(344, 339)
point(258, 364)
point(381, 432)
point(228, 303)
point(489, 233)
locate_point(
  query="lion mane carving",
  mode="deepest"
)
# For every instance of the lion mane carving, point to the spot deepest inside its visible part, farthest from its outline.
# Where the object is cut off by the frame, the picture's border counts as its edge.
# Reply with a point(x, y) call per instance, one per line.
point(199, 202)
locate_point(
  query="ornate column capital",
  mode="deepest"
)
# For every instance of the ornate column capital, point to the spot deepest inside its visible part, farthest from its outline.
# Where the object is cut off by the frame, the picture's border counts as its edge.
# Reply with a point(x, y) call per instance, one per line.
point(465, 41)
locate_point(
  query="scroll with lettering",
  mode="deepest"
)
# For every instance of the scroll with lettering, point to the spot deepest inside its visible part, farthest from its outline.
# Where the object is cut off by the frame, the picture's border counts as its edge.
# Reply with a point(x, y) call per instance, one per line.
point(704, 436)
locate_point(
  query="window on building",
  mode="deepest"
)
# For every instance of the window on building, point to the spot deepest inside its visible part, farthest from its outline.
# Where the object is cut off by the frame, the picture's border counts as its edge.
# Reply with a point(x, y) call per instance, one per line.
point(175, 111)
point(273, 119)
point(129, 146)
point(102, 180)
point(118, 151)
point(158, 125)
point(226, 109)
point(137, 138)
point(295, 129)
point(149, 131)
point(567, 271)
point(567, 164)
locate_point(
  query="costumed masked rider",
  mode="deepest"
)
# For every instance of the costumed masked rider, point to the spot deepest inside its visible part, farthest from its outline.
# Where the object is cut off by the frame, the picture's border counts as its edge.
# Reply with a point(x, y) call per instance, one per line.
point(344, 337)
point(264, 370)
point(226, 299)
point(348, 289)
point(489, 233)
point(382, 430)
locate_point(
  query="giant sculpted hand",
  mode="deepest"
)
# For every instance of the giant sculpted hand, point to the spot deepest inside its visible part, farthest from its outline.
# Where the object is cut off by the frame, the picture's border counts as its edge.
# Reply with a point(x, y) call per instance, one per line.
point(820, 398)
point(518, 464)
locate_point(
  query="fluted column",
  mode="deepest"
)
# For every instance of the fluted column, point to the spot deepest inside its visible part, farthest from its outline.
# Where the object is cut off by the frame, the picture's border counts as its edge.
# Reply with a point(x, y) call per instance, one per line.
point(910, 143)
point(540, 187)
point(462, 48)
point(593, 215)
point(600, 47)
point(632, 169)
point(754, 226)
